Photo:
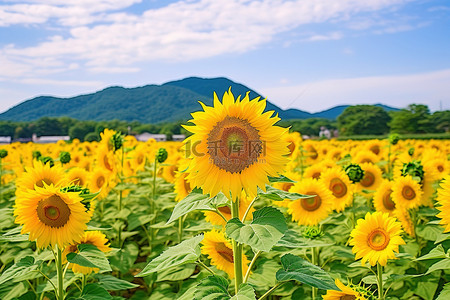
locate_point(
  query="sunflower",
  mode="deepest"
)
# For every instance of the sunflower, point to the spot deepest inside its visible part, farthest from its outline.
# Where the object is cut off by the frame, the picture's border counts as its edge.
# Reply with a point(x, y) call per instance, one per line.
point(220, 251)
point(95, 238)
point(382, 199)
point(235, 146)
point(372, 177)
point(313, 171)
point(406, 192)
point(310, 211)
point(106, 137)
point(138, 159)
point(106, 159)
point(51, 217)
point(294, 139)
point(376, 238)
point(99, 181)
point(78, 176)
point(443, 199)
point(39, 174)
point(345, 293)
point(244, 202)
point(286, 186)
point(340, 186)
point(377, 147)
point(364, 156)
point(402, 214)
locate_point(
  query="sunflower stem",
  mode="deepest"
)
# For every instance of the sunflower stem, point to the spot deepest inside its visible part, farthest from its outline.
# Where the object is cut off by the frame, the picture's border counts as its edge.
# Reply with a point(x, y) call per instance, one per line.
point(152, 205)
point(267, 294)
point(59, 270)
point(206, 267)
point(248, 209)
point(180, 229)
point(380, 281)
point(220, 214)
point(314, 261)
point(237, 250)
point(247, 274)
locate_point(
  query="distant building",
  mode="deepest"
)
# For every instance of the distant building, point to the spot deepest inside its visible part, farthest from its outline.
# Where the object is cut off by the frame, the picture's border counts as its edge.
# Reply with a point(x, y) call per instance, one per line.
point(48, 139)
point(145, 136)
point(178, 137)
point(5, 140)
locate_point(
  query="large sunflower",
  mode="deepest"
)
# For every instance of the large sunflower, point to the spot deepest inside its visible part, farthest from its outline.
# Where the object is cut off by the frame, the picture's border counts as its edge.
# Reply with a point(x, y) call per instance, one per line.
point(235, 146)
point(51, 217)
point(376, 238)
point(310, 211)
point(220, 251)
point(345, 293)
point(339, 185)
point(372, 177)
point(406, 192)
point(95, 238)
point(39, 174)
point(443, 199)
point(382, 199)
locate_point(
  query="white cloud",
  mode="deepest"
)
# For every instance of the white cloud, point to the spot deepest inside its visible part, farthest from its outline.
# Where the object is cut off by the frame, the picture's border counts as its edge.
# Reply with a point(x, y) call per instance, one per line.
point(399, 91)
point(325, 37)
point(100, 34)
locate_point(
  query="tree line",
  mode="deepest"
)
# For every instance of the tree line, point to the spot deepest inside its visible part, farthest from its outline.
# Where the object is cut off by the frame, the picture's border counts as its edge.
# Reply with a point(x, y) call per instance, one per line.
point(354, 120)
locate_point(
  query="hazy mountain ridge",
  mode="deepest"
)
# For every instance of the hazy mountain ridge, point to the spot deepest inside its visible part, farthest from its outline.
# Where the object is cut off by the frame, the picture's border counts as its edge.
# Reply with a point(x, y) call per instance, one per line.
point(171, 101)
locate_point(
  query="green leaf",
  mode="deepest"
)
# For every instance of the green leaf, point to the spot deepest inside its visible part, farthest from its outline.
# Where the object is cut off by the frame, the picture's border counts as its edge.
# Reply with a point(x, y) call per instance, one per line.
point(440, 265)
point(296, 268)
point(111, 283)
point(435, 253)
point(445, 293)
point(186, 252)
point(14, 235)
point(196, 200)
point(246, 292)
point(213, 287)
point(274, 194)
point(89, 256)
point(94, 291)
point(23, 269)
point(176, 274)
point(266, 229)
point(292, 239)
point(135, 220)
point(124, 259)
point(281, 178)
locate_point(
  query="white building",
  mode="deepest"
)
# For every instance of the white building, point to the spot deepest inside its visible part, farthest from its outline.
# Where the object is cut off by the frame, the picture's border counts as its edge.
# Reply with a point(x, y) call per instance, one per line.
point(178, 137)
point(5, 140)
point(47, 139)
point(145, 136)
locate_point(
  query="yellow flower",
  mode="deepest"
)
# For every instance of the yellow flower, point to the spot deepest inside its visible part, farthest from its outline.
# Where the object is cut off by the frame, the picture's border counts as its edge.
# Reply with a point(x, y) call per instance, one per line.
point(376, 238)
point(235, 146)
point(443, 199)
point(220, 251)
point(38, 175)
point(372, 177)
point(402, 214)
point(51, 217)
point(99, 181)
point(364, 156)
point(106, 137)
point(340, 186)
point(310, 211)
point(345, 293)
point(95, 238)
point(406, 192)
point(382, 199)
point(106, 159)
point(77, 176)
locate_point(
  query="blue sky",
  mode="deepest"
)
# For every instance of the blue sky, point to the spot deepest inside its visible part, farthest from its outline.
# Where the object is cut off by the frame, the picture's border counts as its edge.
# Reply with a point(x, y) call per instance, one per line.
point(306, 54)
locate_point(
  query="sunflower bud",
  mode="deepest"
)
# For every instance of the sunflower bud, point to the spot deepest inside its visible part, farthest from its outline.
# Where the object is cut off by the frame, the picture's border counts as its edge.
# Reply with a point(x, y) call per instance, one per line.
point(312, 232)
point(3, 153)
point(47, 159)
point(411, 151)
point(415, 169)
point(64, 157)
point(366, 293)
point(354, 173)
point(161, 155)
point(394, 138)
point(84, 193)
point(36, 154)
point(117, 141)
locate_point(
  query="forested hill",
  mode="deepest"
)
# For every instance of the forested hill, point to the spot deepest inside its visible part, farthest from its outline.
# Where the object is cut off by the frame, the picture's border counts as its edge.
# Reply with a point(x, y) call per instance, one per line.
point(172, 101)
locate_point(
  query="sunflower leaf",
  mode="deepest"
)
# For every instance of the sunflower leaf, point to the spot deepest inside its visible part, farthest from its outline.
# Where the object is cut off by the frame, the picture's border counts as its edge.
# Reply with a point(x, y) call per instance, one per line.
point(296, 268)
point(266, 229)
point(196, 200)
point(292, 239)
point(216, 287)
point(186, 252)
point(274, 194)
point(23, 269)
point(281, 178)
point(437, 252)
point(89, 256)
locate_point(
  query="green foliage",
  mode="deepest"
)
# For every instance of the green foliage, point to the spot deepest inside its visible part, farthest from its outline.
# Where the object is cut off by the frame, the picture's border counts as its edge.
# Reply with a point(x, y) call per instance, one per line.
point(89, 256)
point(363, 119)
point(216, 288)
point(310, 126)
point(415, 118)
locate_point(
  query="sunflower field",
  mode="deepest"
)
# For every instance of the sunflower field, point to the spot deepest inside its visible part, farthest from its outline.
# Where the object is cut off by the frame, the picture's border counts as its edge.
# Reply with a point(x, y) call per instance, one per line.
point(242, 209)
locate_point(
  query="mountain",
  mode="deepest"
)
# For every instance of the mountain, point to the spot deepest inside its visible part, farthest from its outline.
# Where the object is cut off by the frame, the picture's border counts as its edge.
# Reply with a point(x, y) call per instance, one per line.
point(171, 101)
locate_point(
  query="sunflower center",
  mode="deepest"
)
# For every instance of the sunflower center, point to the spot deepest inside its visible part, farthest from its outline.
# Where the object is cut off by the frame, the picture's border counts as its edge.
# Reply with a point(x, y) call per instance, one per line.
point(338, 187)
point(314, 154)
point(348, 297)
point(225, 252)
point(375, 149)
point(106, 162)
point(387, 201)
point(378, 239)
point(440, 168)
point(368, 179)
point(408, 193)
point(366, 160)
point(311, 204)
point(225, 210)
point(286, 186)
point(234, 144)
point(291, 147)
point(40, 183)
point(316, 175)
point(100, 181)
point(187, 186)
point(53, 211)
point(140, 159)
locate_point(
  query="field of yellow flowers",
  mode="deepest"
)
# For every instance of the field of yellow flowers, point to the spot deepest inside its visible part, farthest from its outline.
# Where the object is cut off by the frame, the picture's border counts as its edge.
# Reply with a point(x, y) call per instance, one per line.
point(242, 209)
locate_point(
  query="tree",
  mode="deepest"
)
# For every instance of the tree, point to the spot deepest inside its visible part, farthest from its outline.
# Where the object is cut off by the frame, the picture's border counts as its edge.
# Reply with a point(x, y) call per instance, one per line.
point(441, 120)
point(81, 129)
point(415, 118)
point(363, 119)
